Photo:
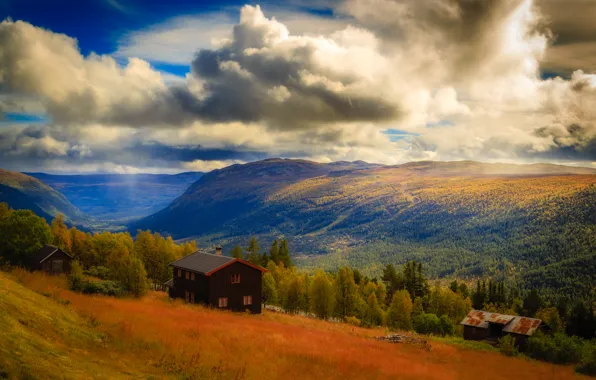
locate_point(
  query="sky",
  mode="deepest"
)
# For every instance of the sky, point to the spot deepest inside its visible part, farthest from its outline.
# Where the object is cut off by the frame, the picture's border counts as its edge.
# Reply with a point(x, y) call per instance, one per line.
point(131, 86)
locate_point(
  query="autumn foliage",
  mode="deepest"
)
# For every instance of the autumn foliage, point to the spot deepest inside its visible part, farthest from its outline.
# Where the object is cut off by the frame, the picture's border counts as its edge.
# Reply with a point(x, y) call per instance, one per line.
point(196, 342)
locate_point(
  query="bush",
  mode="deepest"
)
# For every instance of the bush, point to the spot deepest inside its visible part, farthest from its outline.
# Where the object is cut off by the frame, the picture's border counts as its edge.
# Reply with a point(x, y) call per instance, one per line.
point(76, 280)
point(447, 327)
point(431, 324)
point(588, 364)
point(99, 272)
point(557, 348)
point(507, 346)
point(427, 324)
point(108, 288)
point(353, 321)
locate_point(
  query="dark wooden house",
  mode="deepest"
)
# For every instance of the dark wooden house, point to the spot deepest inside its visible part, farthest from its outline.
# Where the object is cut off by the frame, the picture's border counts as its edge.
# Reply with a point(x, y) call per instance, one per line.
point(216, 280)
point(51, 260)
point(489, 327)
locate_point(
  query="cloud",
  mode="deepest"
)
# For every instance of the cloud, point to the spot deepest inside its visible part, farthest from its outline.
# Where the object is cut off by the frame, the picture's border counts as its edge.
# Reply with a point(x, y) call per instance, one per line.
point(461, 78)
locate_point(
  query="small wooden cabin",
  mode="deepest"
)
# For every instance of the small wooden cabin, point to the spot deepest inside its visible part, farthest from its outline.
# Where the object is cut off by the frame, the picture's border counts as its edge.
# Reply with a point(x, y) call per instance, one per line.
point(216, 280)
point(489, 327)
point(51, 260)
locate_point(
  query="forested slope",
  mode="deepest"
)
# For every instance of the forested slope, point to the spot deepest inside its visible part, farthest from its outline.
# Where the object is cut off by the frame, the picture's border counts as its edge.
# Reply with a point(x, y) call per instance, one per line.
point(21, 191)
point(461, 219)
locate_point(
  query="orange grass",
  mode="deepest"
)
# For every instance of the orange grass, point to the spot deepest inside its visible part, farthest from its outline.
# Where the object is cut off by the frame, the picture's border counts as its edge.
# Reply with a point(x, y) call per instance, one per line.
point(199, 342)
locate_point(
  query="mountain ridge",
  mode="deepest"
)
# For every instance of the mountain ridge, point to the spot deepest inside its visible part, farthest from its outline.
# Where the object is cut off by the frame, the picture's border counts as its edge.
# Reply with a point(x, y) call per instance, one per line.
point(21, 191)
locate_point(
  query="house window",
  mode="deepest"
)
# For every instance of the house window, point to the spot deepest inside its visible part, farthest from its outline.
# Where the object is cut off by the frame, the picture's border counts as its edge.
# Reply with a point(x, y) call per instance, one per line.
point(223, 302)
point(247, 300)
point(236, 278)
point(179, 273)
point(187, 274)
point(192, 276)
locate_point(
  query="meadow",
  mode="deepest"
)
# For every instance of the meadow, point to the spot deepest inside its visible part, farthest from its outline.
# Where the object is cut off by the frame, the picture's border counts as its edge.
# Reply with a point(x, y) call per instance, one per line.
point(55, 333)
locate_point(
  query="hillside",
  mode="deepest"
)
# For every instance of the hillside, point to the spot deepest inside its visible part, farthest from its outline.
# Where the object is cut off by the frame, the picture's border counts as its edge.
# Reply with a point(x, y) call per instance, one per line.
point(21, 191)
point(120, 197)
point(61, 334)
point(459, 218)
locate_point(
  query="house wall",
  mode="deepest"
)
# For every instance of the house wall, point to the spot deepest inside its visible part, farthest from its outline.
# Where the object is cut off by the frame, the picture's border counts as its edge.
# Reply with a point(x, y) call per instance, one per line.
point(220, 285)
point(199, 286)
point(49, 267)
point(475, 333)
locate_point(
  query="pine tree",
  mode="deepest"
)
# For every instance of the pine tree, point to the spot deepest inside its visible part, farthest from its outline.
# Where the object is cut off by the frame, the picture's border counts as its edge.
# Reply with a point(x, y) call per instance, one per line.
point(284, 253)
point(237, 252)
point(274, 252)
point(253, 251)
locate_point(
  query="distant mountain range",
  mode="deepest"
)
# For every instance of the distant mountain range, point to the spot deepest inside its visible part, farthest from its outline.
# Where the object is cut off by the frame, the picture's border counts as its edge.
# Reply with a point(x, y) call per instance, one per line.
point(116, 198)
point(21, 191)
point(459, 218)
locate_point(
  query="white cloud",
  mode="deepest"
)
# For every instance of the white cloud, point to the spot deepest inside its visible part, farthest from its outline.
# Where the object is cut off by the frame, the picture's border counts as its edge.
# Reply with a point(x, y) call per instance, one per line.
point(304, 86)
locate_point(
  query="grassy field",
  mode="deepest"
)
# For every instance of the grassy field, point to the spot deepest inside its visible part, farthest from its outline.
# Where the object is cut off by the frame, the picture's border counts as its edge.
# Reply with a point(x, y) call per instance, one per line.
point(54, 333)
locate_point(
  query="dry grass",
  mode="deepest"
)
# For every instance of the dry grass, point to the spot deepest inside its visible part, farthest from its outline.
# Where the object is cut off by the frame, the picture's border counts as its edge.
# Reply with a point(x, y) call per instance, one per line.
point(196, 342)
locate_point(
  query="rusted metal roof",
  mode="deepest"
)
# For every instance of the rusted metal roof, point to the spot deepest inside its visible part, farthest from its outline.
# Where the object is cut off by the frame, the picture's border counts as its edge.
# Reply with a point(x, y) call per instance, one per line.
point(513, 324)
point(523, 326)
point(475, 318)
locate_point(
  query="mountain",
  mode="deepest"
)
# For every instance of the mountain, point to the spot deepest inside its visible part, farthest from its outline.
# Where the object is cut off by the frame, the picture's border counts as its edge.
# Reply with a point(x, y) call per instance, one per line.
point(21, 191)
point(462, 219)
point(120, 197)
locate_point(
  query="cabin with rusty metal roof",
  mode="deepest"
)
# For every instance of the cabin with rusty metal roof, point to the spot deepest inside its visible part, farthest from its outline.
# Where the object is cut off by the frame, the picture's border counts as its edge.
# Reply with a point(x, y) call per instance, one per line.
point(489, 327)
point(218, 281)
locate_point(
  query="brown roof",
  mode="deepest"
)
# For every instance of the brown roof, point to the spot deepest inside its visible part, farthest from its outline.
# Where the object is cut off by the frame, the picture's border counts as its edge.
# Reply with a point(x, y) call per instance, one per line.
point(45, 252)
point(523, 326)
point(207, 263)
point(513, 324)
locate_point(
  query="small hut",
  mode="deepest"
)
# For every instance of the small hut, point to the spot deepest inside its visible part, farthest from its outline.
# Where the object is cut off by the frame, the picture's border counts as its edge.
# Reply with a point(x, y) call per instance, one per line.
point(51, 260)
point(489, 327)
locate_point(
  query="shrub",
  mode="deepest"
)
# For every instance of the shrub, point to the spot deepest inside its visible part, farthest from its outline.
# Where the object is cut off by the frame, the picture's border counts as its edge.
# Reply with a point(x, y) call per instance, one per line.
point(108, 288)
point(99, 272)
point(353, 321)
point(507, 346)
point(447, 327)
point(557, 348)
point(427, 324)
point(76, 280)
point(588, 364)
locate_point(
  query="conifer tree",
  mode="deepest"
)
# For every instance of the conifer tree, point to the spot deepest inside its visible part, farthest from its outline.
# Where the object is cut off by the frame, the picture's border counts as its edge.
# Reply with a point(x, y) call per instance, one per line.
point(237, 252)
point(274, 252)
point(284, 253)
point(253, 251)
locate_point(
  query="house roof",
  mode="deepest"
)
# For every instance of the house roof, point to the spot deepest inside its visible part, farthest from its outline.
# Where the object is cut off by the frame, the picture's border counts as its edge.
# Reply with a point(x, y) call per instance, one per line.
point(169, 283)
point(513, 324)
point(207, 263)
point(523, 326)
point(45, 252)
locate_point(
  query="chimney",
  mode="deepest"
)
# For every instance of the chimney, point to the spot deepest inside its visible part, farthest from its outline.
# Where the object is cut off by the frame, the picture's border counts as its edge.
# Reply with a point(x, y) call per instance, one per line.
point(218, 250)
